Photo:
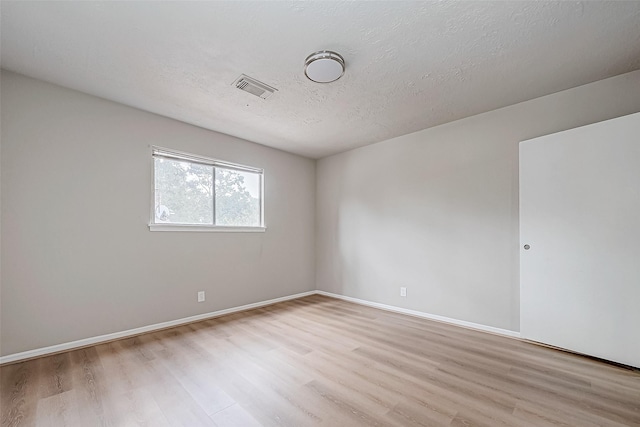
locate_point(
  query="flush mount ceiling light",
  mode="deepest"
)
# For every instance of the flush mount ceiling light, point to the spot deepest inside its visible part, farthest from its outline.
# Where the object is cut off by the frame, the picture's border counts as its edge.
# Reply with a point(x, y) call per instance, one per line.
point(324, 66)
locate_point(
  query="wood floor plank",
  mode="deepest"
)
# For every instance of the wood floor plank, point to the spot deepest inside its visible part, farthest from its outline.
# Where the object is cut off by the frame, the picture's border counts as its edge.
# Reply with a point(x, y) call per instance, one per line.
point(234, 416)
point(411, 413)
point(318, 361)
point(60, 409)
point(20, 393)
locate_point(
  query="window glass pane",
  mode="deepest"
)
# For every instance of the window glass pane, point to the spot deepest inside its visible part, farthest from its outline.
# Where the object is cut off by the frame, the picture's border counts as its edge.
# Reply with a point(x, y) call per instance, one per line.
point(237, 198)
point(183, 192)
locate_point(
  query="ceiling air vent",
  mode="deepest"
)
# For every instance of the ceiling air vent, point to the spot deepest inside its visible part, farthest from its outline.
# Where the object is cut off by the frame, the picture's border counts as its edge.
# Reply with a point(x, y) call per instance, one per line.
point(254, 87)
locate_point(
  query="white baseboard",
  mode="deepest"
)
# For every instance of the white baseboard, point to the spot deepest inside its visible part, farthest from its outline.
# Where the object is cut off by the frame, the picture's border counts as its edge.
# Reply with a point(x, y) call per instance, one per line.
point(58, 348)
point(30, 354)
point(416, 313)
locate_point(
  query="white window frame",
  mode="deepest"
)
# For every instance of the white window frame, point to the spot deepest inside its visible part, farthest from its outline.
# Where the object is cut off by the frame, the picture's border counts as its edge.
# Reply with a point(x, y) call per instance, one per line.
point(193, 158)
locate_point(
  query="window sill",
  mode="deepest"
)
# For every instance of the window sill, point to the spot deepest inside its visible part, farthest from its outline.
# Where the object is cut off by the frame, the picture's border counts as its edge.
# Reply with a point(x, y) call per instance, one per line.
point(205, 228)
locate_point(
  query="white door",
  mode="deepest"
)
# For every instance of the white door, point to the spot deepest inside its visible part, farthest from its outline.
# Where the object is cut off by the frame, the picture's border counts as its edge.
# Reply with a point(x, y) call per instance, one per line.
point(580, 220)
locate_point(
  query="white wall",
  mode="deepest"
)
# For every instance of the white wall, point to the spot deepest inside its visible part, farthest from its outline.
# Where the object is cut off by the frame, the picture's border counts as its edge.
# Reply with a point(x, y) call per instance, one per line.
point(78, 259)
point(437, 210)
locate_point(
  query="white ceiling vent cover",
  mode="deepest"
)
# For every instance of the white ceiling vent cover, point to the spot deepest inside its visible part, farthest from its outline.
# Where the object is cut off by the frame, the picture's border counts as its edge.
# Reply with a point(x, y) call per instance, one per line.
point(254, 87)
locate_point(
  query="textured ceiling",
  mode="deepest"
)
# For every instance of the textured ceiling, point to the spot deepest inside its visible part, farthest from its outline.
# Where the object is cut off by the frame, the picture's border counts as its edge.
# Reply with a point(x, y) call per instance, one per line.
point(410, 65)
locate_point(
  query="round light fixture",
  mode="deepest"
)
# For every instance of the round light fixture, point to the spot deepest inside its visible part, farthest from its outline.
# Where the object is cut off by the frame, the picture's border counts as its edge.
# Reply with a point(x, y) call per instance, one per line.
point(324, 66)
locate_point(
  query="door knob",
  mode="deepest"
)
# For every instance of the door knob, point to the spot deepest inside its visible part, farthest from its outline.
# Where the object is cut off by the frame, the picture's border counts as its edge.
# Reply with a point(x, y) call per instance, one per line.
point(527, 247)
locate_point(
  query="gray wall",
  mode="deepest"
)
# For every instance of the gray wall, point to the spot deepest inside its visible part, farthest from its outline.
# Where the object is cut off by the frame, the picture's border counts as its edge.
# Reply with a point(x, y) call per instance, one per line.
point(437, 210)
point(78, 259)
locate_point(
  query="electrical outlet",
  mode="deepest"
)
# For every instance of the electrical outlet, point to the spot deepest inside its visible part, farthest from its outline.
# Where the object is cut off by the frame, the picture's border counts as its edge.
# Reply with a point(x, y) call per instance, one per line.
point(403, 292)
point(201, 296)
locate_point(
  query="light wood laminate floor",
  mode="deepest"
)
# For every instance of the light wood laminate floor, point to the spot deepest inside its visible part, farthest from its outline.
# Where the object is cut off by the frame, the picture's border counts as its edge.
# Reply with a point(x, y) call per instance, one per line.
point(318, 361)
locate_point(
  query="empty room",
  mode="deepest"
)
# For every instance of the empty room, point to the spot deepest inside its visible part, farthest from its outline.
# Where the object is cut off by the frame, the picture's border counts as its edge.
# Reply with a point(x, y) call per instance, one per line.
point(301, 213)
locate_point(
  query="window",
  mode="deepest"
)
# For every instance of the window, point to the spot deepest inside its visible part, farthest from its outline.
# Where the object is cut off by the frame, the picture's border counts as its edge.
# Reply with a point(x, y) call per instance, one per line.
point(197, 193)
